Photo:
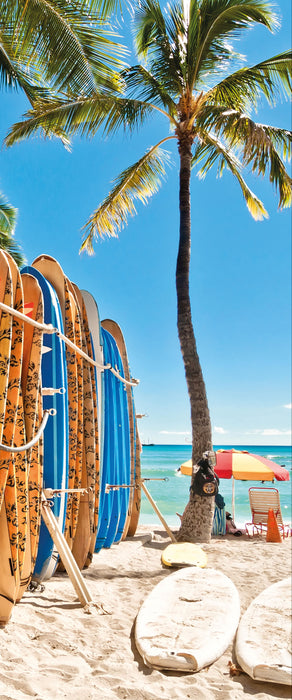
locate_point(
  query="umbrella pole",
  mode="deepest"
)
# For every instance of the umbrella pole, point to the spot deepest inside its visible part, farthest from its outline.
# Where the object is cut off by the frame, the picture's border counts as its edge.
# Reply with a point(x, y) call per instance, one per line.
point(233, 499)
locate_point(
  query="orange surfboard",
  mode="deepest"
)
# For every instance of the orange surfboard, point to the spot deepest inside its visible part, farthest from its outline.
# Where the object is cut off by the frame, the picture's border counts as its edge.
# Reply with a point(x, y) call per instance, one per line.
point(85, 525)
point(95, 424)
point(32, 405)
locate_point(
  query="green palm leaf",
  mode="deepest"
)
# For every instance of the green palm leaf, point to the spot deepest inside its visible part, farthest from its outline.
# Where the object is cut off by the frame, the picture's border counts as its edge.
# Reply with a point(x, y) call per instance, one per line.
point(8, 216)
point(70, 47)
point(212, 151)
point(260, 146)
point(84, 116)
point(216, 23)
point(139, 181)
point(244, 87)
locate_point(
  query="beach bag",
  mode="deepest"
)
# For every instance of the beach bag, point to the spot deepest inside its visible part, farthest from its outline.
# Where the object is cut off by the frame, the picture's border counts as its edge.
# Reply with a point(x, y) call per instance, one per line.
point(205, 482)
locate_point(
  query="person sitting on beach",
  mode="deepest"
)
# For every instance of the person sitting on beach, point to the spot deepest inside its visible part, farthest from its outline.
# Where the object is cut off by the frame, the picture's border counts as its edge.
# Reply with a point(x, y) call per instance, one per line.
point(231, 528)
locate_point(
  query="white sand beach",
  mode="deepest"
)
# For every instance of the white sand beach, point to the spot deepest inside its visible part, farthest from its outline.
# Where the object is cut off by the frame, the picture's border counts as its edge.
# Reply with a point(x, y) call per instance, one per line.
point(52, 649)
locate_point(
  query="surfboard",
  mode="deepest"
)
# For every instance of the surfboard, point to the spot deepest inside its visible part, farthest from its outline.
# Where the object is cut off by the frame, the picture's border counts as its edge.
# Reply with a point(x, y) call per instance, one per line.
point(14, 432)
point(114, 329)
point(5, 349)
point(32, 406)
point(188, 620)
point(263, 641)
point(135, 514)
point(9, 535)
point(90, 429)
point(94, 329)
point(120, 473)
point(106, 498)
point(97, 344)
point(184, 554)
point(124, 455)
point(53, 273)
point(55, 467)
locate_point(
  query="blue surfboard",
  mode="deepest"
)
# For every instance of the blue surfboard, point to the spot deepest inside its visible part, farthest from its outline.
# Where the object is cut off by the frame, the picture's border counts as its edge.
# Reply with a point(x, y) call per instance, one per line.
point(106, 499)
point(123, 437)
point(55, 469)
point(115, 470)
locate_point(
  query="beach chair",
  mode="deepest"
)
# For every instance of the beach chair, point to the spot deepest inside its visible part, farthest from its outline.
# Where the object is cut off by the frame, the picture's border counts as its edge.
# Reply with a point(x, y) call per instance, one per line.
point(261, 501)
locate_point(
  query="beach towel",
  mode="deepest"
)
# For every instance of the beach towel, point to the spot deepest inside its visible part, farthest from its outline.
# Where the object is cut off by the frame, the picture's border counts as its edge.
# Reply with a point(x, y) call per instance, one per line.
point(219, 521)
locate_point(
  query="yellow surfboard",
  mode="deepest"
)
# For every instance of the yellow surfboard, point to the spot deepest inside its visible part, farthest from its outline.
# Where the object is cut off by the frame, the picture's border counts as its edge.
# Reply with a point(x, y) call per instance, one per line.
point(184, 554)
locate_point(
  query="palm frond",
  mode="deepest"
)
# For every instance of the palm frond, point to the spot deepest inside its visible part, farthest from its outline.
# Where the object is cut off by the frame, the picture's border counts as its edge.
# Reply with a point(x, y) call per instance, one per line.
point(158, 43)
point(8, 217)
point(212, 151)
point(73, 48)
point(139, 181)
point(261, 146)
point(63, 118)
point(217, 23)
point(141, 84)
point(272, 78)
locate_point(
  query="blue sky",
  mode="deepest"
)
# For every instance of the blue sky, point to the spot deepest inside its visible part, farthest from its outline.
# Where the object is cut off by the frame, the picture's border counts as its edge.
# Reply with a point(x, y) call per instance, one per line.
point(240, 270)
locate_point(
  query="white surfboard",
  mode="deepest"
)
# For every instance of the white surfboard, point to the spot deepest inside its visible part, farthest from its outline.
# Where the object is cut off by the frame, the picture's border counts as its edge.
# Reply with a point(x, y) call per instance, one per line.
point(188, 620)
point(263, 643)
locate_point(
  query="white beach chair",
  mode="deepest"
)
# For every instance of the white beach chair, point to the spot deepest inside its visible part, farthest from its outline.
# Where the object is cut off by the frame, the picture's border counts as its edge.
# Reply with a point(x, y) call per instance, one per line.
point(261, 501)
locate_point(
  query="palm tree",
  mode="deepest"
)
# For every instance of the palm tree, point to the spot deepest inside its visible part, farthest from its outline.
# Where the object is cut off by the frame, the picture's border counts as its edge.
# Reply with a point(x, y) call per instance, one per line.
point(8, 216)
point(185, 54)
point(49, 49)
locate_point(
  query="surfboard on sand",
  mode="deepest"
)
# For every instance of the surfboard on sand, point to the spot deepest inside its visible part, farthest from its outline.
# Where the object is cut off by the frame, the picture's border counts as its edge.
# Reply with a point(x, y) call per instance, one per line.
point(184, 554)
point(263, 642)
point(188, 620)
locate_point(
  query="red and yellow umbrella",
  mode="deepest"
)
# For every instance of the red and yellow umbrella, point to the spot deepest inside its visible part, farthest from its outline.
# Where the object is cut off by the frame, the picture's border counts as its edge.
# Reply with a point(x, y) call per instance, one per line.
point(240, 464)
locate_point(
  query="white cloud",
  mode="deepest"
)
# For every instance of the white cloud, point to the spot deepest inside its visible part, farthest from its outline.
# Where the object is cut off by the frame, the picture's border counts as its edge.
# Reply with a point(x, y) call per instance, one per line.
point(175, 432)
point(288, 405)
point(219, 430)
point(269, 431)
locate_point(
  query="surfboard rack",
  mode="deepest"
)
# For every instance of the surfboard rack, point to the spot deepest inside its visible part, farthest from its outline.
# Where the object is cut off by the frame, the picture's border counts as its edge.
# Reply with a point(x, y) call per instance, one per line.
point(50, 391)
point(140, 482)
point(66, 555)
point(31, 443)
point(49, 329)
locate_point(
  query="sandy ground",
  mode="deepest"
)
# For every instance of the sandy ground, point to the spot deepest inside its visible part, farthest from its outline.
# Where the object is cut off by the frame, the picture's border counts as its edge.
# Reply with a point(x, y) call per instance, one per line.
point(52, 648)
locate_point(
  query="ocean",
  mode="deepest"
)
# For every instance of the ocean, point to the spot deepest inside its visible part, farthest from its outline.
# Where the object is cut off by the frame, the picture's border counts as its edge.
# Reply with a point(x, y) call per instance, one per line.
point(172, 495)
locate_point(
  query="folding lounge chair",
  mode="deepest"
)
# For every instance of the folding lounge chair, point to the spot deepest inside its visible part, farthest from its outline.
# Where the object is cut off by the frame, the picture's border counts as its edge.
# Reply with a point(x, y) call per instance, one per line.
point(261, 501)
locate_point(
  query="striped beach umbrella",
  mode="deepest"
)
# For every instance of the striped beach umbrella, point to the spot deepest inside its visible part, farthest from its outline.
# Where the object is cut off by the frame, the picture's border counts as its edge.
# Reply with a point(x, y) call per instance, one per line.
point(243, 465)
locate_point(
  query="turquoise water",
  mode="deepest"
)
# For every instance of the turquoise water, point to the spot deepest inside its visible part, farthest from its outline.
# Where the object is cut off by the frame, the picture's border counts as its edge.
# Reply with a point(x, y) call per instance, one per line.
point(160, 461)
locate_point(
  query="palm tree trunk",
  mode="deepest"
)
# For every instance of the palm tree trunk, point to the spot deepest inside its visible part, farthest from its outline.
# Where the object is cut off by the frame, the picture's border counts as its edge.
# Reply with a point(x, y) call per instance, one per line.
point(197, 519)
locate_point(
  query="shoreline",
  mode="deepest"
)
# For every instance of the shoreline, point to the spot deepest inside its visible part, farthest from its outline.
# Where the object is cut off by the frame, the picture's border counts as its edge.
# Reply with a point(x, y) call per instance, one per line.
point(53, 649)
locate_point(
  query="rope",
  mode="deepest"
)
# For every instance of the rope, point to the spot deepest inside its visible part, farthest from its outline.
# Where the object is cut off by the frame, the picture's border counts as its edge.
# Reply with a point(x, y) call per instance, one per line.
point(48, 328)
point(23, 448)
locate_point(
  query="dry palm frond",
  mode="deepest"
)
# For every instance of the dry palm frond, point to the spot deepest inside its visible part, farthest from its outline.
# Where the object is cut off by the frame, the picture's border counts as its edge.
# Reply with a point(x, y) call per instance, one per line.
point(139, 181)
